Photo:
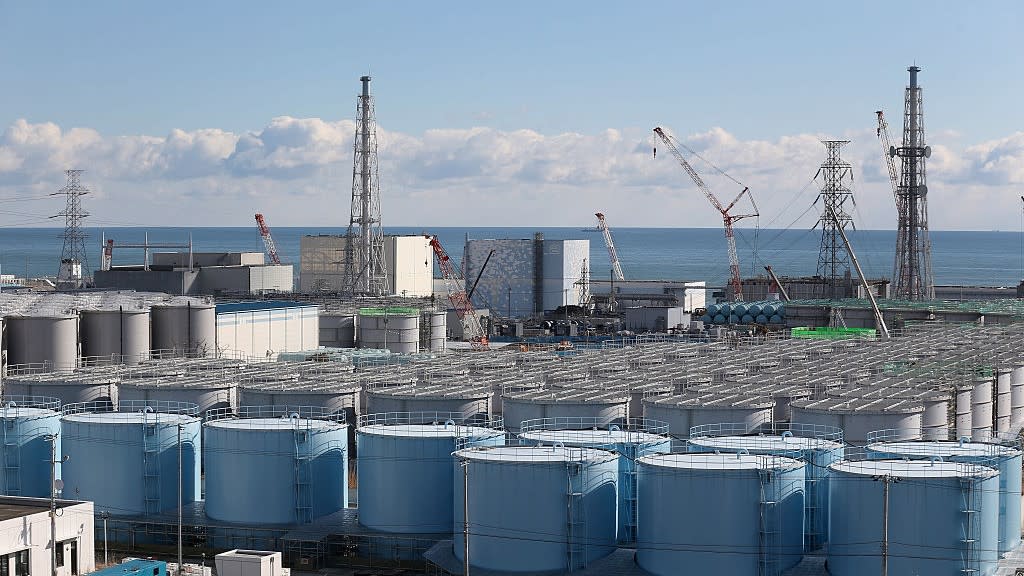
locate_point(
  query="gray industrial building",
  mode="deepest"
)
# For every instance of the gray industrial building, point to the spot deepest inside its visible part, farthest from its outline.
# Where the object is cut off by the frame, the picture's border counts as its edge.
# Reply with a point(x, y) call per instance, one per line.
point(194, 273)
point(408, 260)
point(527, 276)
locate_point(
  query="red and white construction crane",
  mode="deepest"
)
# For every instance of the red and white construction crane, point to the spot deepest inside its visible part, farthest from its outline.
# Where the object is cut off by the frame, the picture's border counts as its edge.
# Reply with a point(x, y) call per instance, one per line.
point(735, 284)
point(108, 255)
point(613, 256)
point(889, 156)
point(455, 282)
point(268, 241)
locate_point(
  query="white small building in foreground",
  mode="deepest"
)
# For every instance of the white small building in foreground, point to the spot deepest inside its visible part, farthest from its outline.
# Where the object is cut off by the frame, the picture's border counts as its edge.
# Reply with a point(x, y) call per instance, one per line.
point(25, 537)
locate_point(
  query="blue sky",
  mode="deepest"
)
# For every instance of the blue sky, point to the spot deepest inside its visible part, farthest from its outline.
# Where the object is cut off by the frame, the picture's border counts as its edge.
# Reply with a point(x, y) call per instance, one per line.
point(761, 72)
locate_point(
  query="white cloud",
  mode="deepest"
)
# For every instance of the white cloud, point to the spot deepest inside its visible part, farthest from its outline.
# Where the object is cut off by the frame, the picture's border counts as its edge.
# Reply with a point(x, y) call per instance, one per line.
point(299, 170)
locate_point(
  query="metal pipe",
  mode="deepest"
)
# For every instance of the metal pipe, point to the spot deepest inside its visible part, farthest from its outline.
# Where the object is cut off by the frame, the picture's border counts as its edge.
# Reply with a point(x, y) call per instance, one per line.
point(179, 498)
point(879, 320)
point(465, 517)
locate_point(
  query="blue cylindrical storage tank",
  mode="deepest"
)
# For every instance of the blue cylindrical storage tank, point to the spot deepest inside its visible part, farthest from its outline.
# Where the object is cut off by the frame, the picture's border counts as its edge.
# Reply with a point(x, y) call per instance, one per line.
point(739, 309)
point(746, 319)
point(536, 509)
point(630, 440)
point(1005, 459)
point(126, 461)
point(775, 319)
point(725, 308)
point(754, 308)
point(406, 468)
point(734, 319)
point(28, 423)
point(275, 464)
point(711, 309)
point(719, 319)
point(707, 318)
point(719, 514)
point(761, 319)
point(817, 452)
point(769, 308)
point(943, 517)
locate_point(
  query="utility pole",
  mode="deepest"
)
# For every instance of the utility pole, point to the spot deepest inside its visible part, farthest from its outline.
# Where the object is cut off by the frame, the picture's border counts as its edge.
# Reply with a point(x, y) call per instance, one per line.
point(180, 565)
point(465, 517)
point(52, 439)
point(105, 515)
point(887, 480)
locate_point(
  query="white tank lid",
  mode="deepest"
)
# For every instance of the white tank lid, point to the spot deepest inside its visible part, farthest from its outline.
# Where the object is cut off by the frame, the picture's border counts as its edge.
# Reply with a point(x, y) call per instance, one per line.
point(535, 454)
point(26, 412)
point(592, 437)
point(429, 430)
point(765, 443)
point(274, 424)
point(711, 461)
point(943, 448)
point(913, 468)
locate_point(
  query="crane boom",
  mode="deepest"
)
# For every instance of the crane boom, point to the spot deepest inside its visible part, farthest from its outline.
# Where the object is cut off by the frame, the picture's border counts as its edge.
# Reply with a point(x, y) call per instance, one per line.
point(613, 255)
point(735, 283)
point(885, 139)
point(268, 240)
point(471, 328)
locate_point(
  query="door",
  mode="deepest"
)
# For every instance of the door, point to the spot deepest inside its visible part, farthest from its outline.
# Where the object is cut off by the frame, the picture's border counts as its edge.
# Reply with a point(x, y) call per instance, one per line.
point(74, 557)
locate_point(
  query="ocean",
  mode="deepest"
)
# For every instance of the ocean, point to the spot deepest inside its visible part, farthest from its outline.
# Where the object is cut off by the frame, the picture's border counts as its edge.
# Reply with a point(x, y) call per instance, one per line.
point(958, 258)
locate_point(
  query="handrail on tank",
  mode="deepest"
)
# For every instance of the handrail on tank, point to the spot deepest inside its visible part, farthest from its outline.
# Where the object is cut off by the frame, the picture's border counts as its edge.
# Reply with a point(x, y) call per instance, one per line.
point(795, 429)
point(44, 402)
point(938, 435)
point(638, 425)
point(477, 420)
point(275, 411)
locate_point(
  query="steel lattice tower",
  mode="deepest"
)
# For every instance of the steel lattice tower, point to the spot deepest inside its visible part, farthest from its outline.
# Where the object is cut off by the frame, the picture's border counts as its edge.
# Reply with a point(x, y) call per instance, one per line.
point(74, 264)
point(912, 270)
point(833, 260)
point(365, 272)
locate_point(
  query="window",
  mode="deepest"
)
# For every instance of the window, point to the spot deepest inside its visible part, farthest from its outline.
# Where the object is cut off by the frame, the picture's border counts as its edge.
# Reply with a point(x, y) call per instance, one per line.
point(5, 565)
point(59, 554)
point(21, 563)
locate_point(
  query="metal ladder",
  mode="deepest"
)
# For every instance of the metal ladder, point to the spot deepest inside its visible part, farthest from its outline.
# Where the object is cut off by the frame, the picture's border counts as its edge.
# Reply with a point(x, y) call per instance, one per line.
point(969, 508)
point(575, 517)
point(12, 459)
point(629, 488)
point(151, 463)
point(814, 534)
point(303, 476)
point(768, 531)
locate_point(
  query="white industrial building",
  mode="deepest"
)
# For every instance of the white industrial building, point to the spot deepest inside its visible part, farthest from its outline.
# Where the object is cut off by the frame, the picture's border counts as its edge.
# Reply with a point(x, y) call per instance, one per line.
point(212, 273)
point(407, 259)
point(25, 537)
point(691, 295)
point(265, 329)
point(527, 276)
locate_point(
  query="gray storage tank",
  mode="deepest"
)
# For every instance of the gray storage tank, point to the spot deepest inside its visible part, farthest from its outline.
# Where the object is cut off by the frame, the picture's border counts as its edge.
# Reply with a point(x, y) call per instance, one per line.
point(29, 423)
point(115, 336)
point(456, 397)
point(92, 385)
point(126, 460)
point(398, 332)
point(689, 409)
point(43, 342)
point(406, 468)
point(516, 493)
point(188, 329)
point(275, 464)
point(605, 406)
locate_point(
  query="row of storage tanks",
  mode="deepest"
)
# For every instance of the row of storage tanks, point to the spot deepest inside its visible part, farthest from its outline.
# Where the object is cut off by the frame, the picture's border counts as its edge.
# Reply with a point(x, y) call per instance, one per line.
point(762, 312)
point(124, 334)
point(399, 330)
point(560, 495)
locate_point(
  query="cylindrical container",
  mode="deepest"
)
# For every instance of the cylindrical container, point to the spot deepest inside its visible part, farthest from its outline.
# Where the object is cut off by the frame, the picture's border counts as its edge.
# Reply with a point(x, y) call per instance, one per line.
point(399, 332)
point(188, 329)
point(206, 393)
point(1004, 401)
point(689, 409)
point(935, 419)
point(43, 342)
point(1017, 395)
point(606, 407)
point(817, 452)
point(435, 328)
point(454, 397)
point(963, 410)
point(631, 439)
point(96, 385)
point(28, 424)
point(981, 410)
point(517, 493)
point(115, 336)
point(857, 417)
point(719, 513)
point(338, 329)
point(406, 470)
point(943, 517)
point(293, 461)
point(127, 461)
point(1003, 458)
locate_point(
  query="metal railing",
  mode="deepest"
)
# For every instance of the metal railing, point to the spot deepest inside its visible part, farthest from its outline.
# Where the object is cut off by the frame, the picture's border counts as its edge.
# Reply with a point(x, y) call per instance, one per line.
point(304, 413)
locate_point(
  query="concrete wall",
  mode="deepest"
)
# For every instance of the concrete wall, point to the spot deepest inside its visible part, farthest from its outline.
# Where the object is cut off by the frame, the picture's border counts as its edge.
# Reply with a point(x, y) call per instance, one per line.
point(322, 263)
point(200, 259)
point(264, 333)
point(169, 281)
point(31, 532)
